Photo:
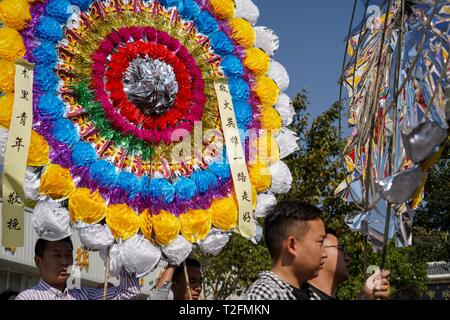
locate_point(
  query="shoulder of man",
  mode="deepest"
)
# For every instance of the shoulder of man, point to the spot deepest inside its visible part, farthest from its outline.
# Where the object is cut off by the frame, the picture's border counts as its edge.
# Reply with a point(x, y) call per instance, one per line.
point(265, 288)
point(28, 294)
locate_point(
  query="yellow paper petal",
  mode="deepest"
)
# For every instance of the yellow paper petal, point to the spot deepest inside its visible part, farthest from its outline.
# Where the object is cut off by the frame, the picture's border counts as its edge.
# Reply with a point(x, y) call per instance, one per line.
point(11, 44)
point(15, 13)
point(243, 32)
point(6, 106)
point(267, 92)
point(260, 176)
point(56, 182)
point(86, 206)
point(7, 75)
point(38, 154)
point(224, 213)
point(146, 225)
point(166, 227)
point(257, 61)
point(271, 120)
point(267, 148)
point(195, 225)
point(223, 9)
point(122, 220)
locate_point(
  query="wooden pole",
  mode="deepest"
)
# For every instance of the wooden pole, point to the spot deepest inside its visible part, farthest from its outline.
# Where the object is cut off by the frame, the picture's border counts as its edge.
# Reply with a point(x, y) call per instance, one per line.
point(186, 276)
point(105, 286)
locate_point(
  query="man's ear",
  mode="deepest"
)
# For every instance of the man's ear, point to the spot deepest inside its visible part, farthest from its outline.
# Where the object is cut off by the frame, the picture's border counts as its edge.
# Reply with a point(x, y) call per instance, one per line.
point(38, 261)
point(291, 244)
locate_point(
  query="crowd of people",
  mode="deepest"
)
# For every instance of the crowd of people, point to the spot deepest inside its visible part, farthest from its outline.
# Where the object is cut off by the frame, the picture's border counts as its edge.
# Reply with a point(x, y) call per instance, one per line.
point(308, 263)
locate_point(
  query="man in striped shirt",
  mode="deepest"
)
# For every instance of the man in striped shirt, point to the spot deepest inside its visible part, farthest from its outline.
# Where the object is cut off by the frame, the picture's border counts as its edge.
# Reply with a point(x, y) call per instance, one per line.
point(53, 259)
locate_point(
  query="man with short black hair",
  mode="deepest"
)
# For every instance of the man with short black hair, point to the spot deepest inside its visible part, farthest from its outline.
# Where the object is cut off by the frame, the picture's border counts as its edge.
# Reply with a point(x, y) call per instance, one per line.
point(174, 280)
point(53, 260)
point(294, 234)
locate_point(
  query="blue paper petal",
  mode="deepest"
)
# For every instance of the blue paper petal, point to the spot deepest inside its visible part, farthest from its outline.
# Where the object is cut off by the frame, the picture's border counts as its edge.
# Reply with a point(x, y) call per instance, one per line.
point(103, 172)
point(50, 106)
point(239, 89)
point(221, 43)
point(83, 154)
point(191, 10)
point(204, 180)
point(243, 113)
point(64, 131)
point(162, 189)
point(171, 3)
point(83, 4)
point(45, 79)
point(232, 66)
point(128, 182)
point(185, 188)
point(49, 29)
point(45, 54)
point(221, 170)
point(206, 23)
point(57, 9)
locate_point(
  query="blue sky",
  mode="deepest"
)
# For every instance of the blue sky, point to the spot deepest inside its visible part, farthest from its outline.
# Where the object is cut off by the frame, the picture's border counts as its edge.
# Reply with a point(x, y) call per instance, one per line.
point(312, 44)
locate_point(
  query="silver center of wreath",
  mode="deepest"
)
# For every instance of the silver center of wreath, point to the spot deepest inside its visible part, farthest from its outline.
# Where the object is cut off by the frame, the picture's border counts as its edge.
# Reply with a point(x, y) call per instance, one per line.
point(150, 85)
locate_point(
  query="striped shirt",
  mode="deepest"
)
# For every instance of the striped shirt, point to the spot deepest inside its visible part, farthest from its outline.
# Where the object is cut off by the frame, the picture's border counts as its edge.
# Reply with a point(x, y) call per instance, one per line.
point(269, 286)
point(128, 289)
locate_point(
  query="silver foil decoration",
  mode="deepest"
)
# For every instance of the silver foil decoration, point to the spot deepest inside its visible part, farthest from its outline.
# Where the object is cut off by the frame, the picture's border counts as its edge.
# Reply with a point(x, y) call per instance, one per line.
point(115, 259)
point(421, 142)
point(51, 220)
point(214, 242)
point(258, 233)
point(95, 236)
point(150, 85)
point(139, 256)
point(400, 187)
point(178, 251)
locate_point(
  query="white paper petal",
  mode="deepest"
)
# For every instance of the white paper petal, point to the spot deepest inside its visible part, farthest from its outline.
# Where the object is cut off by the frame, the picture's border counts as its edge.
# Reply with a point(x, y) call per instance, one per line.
point(248, 10)
point(258, 233)
point(214, 242)
point(139, 255)
point(31, 183)
point(95, 236)
point(264, 202)
point(177, 252)
point(281, 177)
point(287, 142)
point(51, 221)
point(279, 74)
point(285, 109)
point(115, 259)
point(267, 40)
point(3, 141)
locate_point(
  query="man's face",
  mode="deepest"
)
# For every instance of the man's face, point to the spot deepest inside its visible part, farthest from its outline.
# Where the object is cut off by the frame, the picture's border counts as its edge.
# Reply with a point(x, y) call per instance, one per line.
point(337, 262)
point(195, 284)
point(55, 262)
point(310, 253)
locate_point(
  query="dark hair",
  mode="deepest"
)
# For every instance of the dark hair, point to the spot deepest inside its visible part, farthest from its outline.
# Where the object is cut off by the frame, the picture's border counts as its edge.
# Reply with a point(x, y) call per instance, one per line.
point(41, 245)
point(331, 231)
point(189, 263)
point(8, 293)
point(281, 217)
